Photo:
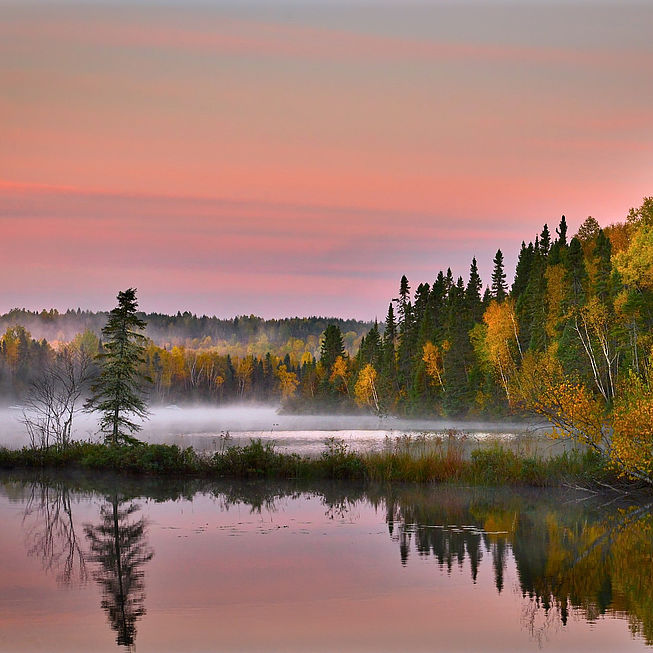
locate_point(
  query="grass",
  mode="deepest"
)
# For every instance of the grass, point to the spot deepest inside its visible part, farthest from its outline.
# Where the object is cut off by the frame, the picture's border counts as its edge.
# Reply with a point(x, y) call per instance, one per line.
point(425, 459)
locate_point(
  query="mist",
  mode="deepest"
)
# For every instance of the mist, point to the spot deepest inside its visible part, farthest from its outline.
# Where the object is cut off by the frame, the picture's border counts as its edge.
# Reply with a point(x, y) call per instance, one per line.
point(211, 428)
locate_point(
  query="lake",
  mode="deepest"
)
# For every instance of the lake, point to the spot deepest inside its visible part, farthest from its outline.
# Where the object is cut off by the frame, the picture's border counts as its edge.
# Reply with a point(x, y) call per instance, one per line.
point(101, 563)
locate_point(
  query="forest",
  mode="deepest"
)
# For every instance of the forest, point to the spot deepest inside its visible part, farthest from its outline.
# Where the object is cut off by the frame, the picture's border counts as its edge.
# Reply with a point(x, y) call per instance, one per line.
point(569, 340)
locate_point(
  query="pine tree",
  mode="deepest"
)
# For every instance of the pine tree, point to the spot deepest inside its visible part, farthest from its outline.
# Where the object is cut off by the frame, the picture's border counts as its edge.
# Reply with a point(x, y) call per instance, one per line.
point(545, 241)
point(473, 293)
point(390, 332)
point(332, 347)
point(499, 288)
point(403, 303)
point(562, 231)
point(575, 274)
point(603, 274)
point(117, 393)
point(523, 270)
point(457, 359)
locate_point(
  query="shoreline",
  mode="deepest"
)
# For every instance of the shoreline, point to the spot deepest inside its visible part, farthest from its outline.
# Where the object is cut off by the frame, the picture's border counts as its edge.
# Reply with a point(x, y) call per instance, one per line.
point(435, 463)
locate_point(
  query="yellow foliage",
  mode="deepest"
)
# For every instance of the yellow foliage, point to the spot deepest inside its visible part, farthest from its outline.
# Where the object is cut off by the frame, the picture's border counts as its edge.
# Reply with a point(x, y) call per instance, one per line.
point(635, 264)
point(340, 372)
point(432, 357)
point(570, 407)
point(287, 382)
point(556, 288)
point(632, 421)
point(365, 388)
point(501, 340)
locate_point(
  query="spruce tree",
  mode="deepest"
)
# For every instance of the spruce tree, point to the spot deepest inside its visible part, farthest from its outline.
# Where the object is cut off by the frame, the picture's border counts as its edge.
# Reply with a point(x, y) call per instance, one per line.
point(117, 393)
point(545, 241)
point(473, 293)
point(523, 270)
point(390, 332)
point(562, 232)
point(603, 274)
point(499, 288)
point(332, 347)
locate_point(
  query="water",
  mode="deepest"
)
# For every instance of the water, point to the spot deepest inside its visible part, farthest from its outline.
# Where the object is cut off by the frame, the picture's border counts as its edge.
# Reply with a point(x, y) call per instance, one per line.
point(279, 567)
point(202, 427)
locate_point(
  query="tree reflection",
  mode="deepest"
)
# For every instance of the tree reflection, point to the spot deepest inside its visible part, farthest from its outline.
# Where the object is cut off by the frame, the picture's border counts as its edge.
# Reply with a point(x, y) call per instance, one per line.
point(51, 534)
point(571, 558)
point(119, 548)
point(587, 558)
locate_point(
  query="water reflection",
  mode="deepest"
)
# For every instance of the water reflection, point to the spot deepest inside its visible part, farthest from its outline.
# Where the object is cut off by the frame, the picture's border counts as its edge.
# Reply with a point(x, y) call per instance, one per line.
point(118, 547)
point(559, 554)
point(51, 532)
point(576, 553)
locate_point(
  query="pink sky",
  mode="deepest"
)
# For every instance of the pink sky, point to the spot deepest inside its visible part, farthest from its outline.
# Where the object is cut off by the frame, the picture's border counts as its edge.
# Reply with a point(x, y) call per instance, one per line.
point(238, 158)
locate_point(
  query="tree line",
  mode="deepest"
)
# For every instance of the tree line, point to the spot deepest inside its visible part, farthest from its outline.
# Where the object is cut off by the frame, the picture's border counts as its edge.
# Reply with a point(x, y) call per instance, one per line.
point(570, 340)
point(238, 336)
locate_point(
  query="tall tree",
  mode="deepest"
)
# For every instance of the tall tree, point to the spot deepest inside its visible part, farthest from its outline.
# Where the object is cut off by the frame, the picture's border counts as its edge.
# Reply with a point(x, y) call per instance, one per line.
point(332, 347)
point(473, 292)
point(117, 393)
point(562, 231)
point(545, 240)
point(499, 287)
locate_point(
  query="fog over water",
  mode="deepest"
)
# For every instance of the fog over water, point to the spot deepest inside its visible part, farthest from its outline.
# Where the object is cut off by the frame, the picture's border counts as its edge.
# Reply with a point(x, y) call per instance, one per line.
point(210, 428)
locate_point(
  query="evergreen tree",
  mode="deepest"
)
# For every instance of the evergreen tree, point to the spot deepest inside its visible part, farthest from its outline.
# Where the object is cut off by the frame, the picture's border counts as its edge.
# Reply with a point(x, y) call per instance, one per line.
point(117, 393)
point(545, 241)
point(499, 288)
point(332, 347)
point(403, 302)
point(390, 332)
point(603, 274)
point(457, 359)
point(523, 270)
point(562, 232)
point(535, 304)
point(575, 274)
point(473, 293)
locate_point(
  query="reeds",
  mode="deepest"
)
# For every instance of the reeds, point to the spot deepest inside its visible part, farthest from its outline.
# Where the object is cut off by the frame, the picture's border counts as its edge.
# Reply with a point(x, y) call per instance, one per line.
point(451, 457)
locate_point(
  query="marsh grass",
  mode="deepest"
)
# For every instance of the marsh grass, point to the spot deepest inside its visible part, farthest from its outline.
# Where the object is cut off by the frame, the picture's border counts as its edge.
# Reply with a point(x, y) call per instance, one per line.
point(441, 458)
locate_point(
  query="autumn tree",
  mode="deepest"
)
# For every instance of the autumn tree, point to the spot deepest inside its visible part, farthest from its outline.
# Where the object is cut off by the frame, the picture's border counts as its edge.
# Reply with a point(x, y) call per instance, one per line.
point(365, 388)
point(287, 382)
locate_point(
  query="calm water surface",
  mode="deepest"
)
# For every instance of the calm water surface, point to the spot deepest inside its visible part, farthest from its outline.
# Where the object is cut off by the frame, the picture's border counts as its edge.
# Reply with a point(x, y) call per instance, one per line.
point(106, 564)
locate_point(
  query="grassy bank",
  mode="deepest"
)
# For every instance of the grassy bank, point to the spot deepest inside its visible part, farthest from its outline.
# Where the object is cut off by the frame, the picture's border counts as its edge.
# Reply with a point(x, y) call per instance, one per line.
point(406, 461)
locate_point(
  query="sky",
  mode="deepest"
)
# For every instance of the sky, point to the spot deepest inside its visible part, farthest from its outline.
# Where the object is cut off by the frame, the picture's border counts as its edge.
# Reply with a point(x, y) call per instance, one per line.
point(297, 158)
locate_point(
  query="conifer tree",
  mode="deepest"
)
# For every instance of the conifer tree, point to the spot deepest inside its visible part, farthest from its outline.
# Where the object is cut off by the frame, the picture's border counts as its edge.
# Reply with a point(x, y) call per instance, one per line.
point(603, 274)
point(499, 288)
point(403, 301)
point(117, 393)
point(332, 346)
point(473, 293)
point(562, 231)
point(545, 240)
point(390, 333)
point(523, 270)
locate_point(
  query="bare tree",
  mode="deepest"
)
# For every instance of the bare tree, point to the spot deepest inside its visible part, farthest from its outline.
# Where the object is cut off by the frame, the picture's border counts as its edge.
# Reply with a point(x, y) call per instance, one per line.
point(52, 401)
